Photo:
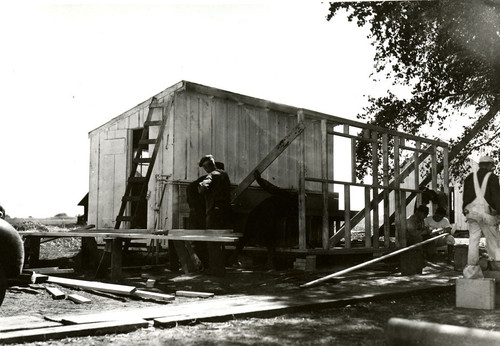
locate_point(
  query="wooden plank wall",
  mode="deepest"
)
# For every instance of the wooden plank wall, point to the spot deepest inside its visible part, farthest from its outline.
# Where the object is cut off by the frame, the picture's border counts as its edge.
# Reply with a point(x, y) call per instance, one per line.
point(237, 134)
point(110, 160)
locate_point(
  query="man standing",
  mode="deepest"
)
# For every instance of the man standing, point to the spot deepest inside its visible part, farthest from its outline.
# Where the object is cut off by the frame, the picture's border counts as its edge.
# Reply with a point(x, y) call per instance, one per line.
point(215, 188)
point(481, 201)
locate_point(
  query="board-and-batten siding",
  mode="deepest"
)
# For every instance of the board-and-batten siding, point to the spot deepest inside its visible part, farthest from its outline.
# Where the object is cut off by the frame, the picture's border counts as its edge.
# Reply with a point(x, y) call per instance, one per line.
point(110, 166)
point(238, 135)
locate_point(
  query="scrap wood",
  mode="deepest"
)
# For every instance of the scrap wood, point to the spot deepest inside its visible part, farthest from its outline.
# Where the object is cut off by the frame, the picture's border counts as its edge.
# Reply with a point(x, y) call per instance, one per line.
point(194, 294)
point(31, 278)
point(23, 289)
point(154, 295)
point(93, 285)
point(55, 292)
point(107, 295)
point(361, 265)
point(78, 299)
point(59, 332)
point(21, 322)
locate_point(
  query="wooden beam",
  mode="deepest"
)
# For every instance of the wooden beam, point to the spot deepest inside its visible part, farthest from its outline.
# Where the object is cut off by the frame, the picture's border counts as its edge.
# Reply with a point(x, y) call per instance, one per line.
point(78, 299)
point(301, 167)
point(273, 154)
point(362, 265)
point(375, 191)
point(50, 270)
point(194, 294)
point(93, 285)
point(403, 174)
point(55, 292)
point(324, 186)
point(154, 295)
point(42, 334)
point(21, 322)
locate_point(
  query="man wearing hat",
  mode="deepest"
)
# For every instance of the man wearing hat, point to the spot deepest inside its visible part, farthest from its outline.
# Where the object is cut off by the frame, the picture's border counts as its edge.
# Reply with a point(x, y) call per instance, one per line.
point(215, 188)
point(481, 202)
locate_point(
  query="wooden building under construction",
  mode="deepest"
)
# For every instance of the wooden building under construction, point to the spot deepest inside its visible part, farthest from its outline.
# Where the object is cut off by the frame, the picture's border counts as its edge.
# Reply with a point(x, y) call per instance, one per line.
point(142, 161)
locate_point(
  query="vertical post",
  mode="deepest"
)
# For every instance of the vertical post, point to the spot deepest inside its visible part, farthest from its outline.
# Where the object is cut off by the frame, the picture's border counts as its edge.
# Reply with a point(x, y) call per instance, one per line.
point(418, 199)
point(116, 259)
point(375, 189)
point(301, 184)
point(397, 195)
point(324, 176)
point(347, 215)
point(368, 225)
point(385, 182)
point(434, 172)
point(446, 179)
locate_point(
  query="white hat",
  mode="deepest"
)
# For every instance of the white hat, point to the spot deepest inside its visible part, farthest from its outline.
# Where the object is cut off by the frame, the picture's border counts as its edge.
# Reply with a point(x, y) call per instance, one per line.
point(486, 159)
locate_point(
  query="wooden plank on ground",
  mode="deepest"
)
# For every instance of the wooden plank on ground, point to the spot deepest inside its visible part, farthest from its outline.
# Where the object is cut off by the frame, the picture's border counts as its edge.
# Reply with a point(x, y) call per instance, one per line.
point(78, 299)
point(194, 294)
point(154, 295)
point(93, 285)
point(59, 332)
point(55, 292)
point(21, 322)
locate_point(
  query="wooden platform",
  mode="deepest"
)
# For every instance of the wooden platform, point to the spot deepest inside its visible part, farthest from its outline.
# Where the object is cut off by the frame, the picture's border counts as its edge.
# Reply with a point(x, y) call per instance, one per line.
point(115, 238)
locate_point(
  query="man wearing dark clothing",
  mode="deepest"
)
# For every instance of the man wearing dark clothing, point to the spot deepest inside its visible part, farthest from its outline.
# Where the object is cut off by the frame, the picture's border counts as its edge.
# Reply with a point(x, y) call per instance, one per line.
point(215, 188)
point(265, 220)
point(481, 202)
point(412, 261)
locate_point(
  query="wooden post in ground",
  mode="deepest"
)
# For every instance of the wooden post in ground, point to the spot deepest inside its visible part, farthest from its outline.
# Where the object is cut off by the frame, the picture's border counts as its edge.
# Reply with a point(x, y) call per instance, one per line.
point(301, 184)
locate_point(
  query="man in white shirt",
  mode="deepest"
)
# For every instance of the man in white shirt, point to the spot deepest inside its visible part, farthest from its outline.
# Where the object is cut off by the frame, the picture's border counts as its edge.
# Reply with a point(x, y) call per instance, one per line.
point(436, 224)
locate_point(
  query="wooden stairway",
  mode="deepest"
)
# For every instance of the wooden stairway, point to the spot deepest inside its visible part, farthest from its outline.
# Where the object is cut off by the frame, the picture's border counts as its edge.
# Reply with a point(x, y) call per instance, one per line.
point(133, 180)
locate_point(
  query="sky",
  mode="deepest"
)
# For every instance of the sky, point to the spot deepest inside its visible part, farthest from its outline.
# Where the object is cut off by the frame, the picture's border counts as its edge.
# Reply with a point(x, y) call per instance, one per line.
point(66, 69)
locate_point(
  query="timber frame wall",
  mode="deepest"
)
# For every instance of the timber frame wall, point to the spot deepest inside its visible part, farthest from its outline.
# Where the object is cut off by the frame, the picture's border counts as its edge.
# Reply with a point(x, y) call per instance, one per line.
point(413, 163)
point(241, 131)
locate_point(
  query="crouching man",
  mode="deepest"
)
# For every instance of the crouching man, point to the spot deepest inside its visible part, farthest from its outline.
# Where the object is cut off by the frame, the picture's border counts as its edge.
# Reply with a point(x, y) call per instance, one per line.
point(11, 255)
point(436, 224)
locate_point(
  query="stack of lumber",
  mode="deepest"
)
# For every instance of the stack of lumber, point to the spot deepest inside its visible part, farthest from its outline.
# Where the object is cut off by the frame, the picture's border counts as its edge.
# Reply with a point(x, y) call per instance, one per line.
point(306, 264)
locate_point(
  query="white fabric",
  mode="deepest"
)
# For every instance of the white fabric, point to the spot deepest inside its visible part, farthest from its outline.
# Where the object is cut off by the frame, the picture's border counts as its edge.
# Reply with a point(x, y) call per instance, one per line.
point(473, 272)
point(433, 224)
point(479, 209)
point(480, 220)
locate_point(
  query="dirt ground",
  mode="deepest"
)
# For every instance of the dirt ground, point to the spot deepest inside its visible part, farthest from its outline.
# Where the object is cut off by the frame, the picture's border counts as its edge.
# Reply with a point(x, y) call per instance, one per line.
point(361, 323)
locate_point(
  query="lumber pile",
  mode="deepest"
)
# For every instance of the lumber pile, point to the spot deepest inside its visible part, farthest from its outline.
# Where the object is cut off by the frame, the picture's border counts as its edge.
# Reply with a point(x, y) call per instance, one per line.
point(18, 329)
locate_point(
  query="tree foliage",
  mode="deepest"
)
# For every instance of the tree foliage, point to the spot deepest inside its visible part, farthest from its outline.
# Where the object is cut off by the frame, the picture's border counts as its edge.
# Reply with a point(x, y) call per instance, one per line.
point(447, 52)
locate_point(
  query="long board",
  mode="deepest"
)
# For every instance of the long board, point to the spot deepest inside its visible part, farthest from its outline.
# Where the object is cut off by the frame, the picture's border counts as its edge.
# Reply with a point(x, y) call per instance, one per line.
point(59, 332)
point(93, 285)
